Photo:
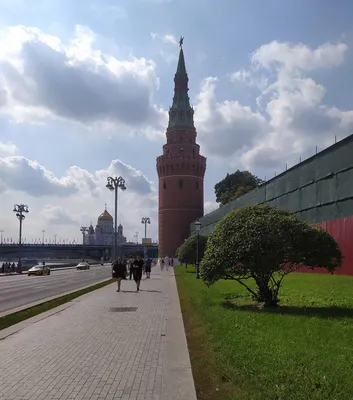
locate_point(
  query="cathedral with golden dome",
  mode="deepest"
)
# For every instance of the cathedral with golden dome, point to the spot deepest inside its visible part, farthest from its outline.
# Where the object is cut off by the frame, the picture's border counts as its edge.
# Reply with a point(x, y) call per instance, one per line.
point(103, 234)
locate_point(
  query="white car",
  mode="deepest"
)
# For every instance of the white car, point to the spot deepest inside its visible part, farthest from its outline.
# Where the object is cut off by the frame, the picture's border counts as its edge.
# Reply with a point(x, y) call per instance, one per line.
point(83, 265)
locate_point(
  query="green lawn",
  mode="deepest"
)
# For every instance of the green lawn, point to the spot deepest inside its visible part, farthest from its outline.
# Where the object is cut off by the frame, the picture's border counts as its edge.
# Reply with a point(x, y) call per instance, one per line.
point(302, 351)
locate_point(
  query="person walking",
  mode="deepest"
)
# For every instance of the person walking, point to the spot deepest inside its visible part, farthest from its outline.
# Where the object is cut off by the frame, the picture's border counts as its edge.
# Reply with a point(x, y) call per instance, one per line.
point(131, 265)
point(119, 272)
point(166, 262)
point(148, 268)
point(137, 271)
point(161, 262)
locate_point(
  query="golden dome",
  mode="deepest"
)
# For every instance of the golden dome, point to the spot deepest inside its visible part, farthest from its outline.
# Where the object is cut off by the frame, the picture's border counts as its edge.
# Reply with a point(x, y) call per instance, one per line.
point(105, 216)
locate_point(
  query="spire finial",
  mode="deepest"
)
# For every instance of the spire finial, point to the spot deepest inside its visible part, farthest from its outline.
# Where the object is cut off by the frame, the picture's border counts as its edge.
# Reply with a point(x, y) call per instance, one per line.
point(181, 41)
point(105, 206)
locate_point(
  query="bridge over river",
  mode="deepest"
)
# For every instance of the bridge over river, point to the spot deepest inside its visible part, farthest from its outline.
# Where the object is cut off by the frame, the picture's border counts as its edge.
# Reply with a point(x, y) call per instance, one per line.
point(73, 251)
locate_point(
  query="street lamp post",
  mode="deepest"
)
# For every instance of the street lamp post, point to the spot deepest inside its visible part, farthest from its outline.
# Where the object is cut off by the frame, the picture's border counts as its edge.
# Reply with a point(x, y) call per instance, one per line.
point(55, 239)
point(43, 232)
point(83, 229)
point(1, 233)
point(20, 210)
point(145, 220)
point(197, 229)
point(113, 185)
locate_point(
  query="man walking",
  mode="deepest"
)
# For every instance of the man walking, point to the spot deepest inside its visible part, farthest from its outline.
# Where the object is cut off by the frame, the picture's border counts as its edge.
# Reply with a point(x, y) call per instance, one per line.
point(148, 268)
point(131, 265)
point(137, 271)
point(119, 272)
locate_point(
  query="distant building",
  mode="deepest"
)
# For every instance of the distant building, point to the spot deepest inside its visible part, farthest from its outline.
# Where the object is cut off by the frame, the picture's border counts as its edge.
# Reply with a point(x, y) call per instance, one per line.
point(104, 232)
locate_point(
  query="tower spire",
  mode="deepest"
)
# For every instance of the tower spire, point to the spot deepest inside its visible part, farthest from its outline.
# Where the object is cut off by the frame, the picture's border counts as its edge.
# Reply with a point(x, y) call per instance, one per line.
point(181, 115)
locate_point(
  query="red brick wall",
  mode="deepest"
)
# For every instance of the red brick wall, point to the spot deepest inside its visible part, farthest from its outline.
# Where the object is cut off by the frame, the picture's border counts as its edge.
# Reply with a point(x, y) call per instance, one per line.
point(342, 230)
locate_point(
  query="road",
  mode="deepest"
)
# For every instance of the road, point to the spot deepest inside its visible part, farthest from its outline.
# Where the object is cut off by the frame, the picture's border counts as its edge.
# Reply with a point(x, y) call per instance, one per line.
point(16, 291)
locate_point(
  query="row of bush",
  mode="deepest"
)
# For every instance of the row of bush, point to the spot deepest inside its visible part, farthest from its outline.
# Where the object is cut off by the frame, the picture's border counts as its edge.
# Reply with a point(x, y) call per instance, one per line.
point(263, 244)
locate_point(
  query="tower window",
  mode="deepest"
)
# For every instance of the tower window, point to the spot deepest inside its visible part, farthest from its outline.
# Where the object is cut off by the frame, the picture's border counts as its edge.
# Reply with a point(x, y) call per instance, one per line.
point(196, 185)
point(164, 185)
point(181, 183)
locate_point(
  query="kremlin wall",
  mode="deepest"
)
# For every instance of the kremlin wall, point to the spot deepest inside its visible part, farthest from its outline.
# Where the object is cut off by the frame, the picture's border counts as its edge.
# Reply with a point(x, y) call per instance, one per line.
point(319, 190)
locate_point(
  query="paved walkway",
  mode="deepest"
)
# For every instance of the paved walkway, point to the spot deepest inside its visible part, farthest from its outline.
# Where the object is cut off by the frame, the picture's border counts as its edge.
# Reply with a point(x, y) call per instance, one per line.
point(97, 348)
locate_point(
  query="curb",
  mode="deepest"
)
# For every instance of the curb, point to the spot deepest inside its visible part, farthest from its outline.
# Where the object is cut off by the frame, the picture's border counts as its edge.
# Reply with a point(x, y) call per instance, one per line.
point(38, 302)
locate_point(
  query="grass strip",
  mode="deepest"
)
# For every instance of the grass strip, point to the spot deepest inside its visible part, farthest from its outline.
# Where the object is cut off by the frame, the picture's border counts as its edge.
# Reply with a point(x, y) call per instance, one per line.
point(210, 382)
point(300, 351)
point(19, 316)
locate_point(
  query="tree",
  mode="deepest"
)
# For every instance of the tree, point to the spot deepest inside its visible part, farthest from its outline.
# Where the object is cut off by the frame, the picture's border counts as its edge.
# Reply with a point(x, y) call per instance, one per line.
point(235, 185)
point(187, 251)
point(264, 244)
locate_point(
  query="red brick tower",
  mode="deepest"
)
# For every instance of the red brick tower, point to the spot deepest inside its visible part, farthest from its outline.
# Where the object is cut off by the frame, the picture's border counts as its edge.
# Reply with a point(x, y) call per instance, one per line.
point(181, 170)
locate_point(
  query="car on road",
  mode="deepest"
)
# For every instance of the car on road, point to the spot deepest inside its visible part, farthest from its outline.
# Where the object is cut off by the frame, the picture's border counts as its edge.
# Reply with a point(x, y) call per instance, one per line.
point(39, 270)
point(82, 265)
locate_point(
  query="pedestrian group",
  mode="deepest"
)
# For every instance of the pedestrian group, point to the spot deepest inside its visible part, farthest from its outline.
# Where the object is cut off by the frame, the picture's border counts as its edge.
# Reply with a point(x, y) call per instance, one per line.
point(135, 267)
point(8, 268)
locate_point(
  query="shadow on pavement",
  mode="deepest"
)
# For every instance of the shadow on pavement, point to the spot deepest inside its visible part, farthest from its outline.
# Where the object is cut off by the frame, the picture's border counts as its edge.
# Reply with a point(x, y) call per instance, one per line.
point(151, 291)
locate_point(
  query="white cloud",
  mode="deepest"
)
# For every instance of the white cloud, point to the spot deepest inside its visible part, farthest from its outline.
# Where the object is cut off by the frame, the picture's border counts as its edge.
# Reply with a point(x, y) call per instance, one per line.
point(246, 76)
point(65, 203)
point(42, 77)
point(8, 149)
point(20, 174)
point(225, 127)
point(57, 215)
point(291, 117)
point(291, 56)
point(167, 38)
point(210, 206)
point(170, 39)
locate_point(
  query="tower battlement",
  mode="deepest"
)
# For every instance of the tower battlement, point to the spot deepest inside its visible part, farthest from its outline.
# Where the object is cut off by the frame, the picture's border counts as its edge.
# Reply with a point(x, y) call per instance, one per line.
point(181, 170)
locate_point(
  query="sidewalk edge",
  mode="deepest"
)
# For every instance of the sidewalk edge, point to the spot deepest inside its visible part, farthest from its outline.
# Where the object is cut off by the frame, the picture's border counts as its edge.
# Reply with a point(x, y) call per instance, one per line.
point(177, 377)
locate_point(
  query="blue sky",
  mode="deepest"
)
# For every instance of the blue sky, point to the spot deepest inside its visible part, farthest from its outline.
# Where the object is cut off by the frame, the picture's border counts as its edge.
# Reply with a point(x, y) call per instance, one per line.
point(89, 82)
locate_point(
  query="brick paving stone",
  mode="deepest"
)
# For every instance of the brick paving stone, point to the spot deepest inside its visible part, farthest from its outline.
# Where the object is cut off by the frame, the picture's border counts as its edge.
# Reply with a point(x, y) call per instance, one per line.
point(89, 352)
